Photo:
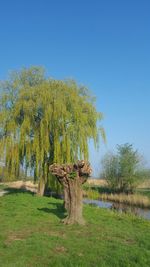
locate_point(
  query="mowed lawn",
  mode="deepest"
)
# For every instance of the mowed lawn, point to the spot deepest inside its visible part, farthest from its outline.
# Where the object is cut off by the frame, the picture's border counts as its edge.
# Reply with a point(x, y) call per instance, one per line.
point(31, 235)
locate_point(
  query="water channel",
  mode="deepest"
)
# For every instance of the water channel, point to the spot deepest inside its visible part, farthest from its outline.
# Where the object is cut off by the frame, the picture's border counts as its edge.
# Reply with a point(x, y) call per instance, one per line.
point(120, 207)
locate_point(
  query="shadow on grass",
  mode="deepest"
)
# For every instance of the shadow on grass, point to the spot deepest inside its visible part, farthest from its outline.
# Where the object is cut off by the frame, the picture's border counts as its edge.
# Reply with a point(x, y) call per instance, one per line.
point(10, 190)
point(58, 210)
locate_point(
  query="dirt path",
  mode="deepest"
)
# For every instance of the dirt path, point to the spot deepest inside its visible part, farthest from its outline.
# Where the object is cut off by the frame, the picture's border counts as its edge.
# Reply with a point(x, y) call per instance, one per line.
point(3, 192)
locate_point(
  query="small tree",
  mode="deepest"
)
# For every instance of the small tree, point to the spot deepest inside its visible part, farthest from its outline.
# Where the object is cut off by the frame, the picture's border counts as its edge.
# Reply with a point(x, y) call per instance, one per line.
point(120, 170)
point(129, 160)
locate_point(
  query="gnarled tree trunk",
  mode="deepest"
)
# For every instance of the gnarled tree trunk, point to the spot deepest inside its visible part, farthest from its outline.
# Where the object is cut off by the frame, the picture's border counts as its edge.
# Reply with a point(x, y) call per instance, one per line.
point(72, 177)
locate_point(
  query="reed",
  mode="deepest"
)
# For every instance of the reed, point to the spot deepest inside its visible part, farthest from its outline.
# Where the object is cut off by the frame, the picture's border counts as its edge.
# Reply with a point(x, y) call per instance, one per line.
point(130, 199)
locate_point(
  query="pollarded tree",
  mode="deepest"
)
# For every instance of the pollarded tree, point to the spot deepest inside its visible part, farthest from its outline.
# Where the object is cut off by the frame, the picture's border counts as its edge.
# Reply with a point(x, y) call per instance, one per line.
point(71, 177)
point(43, 121)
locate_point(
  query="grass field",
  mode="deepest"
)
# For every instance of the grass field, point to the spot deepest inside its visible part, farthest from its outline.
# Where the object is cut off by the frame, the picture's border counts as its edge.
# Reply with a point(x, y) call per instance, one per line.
point(31, 235)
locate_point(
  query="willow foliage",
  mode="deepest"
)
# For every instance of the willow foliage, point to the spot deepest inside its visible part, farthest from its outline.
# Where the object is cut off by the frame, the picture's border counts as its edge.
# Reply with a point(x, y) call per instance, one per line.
point(43, 120)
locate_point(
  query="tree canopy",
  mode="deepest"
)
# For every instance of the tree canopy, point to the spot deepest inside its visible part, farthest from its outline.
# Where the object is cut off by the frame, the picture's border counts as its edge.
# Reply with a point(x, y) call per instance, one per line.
point(43, 120)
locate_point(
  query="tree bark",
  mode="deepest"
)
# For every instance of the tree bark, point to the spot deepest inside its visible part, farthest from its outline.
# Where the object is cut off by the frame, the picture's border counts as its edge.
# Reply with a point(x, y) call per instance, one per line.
point(74, 202)
point(41, 187)
point(66, 198)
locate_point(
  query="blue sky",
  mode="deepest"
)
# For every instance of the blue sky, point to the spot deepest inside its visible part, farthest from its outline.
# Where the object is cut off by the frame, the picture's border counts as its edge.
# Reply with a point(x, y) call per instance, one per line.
point(104, 45)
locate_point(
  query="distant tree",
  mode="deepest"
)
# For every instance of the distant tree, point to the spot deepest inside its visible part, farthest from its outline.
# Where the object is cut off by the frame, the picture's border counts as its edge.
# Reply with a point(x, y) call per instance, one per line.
point(43, 121)
point(121, 170)
point(129, 160)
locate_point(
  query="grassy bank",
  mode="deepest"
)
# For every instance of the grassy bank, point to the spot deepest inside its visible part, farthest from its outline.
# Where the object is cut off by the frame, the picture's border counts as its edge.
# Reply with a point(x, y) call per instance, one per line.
point(31, 235)
point(140, 198)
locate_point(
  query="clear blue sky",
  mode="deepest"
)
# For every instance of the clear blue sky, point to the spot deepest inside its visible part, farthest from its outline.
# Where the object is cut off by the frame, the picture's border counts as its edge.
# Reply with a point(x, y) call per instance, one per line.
point(104, 45)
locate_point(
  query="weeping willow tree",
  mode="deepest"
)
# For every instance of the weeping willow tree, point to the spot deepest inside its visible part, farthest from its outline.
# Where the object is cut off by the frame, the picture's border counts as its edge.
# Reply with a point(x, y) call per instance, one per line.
point(43, 121)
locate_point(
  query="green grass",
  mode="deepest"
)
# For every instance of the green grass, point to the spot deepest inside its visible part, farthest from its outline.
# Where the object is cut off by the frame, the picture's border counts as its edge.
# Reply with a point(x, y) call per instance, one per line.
point(31, 235)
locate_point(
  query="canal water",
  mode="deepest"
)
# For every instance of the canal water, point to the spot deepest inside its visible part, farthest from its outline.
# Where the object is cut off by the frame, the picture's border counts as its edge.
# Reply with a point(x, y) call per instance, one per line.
point(120, 207)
